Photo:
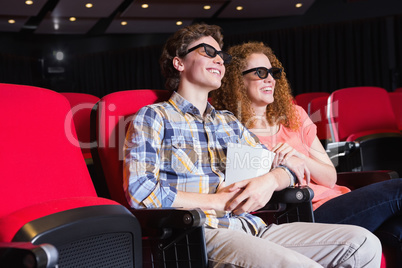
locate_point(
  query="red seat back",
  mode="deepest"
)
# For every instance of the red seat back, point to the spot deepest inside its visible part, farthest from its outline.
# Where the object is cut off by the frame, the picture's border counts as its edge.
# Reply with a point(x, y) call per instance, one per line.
point(396, 102)
point(81, 106)
point(114, 112)
point(317, 109)
point(357, 111)
point(32, 160)
point(303, 99)
point(42, 171)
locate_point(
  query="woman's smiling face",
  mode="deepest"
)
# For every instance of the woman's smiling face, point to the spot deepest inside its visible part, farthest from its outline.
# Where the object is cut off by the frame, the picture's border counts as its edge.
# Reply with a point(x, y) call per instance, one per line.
point(260, 91)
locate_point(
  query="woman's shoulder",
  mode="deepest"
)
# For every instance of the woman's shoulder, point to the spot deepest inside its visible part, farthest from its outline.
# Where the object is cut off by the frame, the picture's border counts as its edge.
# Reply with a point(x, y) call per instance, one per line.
point(300, 110)
point(303, 117)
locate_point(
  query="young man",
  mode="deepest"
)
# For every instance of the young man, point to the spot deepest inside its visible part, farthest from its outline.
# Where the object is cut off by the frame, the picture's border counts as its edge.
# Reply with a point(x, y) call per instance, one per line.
point(175, 155)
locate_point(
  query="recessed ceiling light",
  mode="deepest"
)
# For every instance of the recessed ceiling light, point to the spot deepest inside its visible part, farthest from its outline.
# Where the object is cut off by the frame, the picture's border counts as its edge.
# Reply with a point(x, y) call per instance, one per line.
point(29, 2)
point(299, 5)
point(207, 7)
point(123, 23)
point(59, 55)
point(179, 22)
point(73, 19)
point(144, 6)
point(11, 21)
point(89, 5)
point(239, 8)
point(56, 24)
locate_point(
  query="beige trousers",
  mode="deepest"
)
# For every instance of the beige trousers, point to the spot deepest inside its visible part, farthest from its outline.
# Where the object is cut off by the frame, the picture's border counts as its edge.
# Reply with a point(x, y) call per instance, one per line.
point(294, 245)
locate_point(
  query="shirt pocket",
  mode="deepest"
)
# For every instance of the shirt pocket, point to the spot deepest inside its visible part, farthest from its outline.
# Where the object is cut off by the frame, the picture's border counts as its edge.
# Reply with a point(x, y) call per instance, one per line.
point(184, 156)
point(223, 145)
point(224, 140)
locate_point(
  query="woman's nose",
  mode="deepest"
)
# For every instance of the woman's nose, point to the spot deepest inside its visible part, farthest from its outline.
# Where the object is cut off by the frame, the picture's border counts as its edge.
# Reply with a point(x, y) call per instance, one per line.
point(269, 78)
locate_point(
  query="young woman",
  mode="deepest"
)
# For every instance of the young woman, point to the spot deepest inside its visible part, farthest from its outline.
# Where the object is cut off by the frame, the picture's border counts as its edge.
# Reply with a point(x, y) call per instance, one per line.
point(173, 153)
point(256, 90)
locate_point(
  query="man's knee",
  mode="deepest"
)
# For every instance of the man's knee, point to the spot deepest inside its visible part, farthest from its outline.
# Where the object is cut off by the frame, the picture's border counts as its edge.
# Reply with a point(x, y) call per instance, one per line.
point(366, 249)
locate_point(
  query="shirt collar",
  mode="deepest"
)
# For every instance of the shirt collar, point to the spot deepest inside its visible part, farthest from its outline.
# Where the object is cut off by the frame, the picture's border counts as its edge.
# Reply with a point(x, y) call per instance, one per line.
point(185, 106)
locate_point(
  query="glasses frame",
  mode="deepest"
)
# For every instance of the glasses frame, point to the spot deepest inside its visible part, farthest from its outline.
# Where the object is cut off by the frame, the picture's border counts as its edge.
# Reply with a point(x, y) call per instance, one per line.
point(269, 71)
point(227, 58)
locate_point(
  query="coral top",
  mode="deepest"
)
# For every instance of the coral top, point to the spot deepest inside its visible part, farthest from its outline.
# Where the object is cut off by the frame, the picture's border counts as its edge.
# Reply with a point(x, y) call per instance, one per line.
point(301, 141)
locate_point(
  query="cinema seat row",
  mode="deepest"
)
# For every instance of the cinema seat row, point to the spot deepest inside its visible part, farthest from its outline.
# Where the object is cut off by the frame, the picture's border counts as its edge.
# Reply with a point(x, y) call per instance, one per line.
point(360, 127)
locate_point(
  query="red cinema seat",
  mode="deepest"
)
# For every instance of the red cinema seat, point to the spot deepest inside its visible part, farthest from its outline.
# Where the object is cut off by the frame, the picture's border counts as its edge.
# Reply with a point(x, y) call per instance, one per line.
point(46, 192)
point(303, 99)
point(114, 112)
point(359, 111)
point(364, 130)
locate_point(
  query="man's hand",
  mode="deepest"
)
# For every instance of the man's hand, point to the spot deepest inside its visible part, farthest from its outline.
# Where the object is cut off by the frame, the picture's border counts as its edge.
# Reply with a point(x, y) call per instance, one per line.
point(251, 194)
point(224, 195)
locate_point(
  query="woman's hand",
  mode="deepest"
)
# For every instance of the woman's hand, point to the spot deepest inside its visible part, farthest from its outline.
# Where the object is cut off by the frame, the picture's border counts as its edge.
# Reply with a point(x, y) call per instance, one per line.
point(283, 152)
point(299, 168)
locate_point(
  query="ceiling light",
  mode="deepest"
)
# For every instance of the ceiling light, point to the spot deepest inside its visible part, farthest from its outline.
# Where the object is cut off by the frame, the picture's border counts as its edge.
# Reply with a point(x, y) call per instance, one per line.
point(11, 21)
point(29, 2)
point(73, 19)
point(239, 8)
point(56, 24)
point(207, 7)
point(123, 23)
point(59, 55)
point(179, 22)
point(299, 5)
point(89, 5)
point(144, 6)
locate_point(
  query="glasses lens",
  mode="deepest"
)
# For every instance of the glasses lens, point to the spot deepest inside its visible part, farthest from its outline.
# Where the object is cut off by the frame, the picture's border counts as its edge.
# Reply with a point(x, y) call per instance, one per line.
point(276, 73)
point(225, 56)
point(211, 51)
point(262, 73)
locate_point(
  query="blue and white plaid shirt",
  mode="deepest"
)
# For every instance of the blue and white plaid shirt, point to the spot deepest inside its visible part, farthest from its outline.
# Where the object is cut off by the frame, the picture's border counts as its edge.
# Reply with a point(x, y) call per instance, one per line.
point(171, 147)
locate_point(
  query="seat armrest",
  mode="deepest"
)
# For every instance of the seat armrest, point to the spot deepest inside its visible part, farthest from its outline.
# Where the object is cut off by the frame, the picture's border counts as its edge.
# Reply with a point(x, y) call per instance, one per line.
point(345, 155)
point(156, 221)
point(289, 205)
point(298, 194)
point(290, 195)
point(342, 148)
point(354, 180)
point(172, 237)
point(25, 254)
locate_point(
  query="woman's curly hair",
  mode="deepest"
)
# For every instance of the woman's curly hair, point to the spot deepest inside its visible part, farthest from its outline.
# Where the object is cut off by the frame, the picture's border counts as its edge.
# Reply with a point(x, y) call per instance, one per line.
point(177, 45)
point(232, 95)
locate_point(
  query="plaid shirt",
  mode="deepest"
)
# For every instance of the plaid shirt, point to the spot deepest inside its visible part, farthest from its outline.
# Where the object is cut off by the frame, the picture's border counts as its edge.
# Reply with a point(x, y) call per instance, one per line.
point(171, 147)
